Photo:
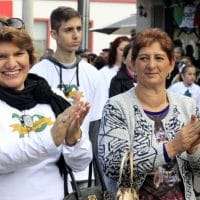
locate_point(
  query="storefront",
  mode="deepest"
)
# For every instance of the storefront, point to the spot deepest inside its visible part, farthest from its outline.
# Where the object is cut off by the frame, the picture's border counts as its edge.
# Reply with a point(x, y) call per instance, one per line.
point(180, 18)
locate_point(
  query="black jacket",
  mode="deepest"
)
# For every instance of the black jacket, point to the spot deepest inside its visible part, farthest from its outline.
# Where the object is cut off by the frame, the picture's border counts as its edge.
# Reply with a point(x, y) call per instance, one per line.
point(121, 82)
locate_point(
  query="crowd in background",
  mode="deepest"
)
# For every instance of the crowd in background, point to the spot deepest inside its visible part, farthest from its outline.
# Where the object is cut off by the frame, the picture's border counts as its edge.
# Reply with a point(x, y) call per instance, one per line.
point(183, 56)
point(186, 71)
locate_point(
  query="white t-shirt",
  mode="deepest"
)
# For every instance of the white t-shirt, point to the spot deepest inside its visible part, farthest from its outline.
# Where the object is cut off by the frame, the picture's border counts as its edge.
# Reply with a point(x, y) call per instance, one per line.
point(28, 157)
point(180, 88)
point(91, 85)
point(107, 75)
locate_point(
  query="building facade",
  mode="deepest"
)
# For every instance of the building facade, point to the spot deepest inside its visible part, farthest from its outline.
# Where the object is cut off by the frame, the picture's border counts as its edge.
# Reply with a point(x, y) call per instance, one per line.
point(180, 18)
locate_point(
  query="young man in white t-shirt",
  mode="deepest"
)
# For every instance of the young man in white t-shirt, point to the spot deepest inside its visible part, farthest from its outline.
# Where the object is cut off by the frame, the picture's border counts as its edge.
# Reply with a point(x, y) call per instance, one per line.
point(71, 75)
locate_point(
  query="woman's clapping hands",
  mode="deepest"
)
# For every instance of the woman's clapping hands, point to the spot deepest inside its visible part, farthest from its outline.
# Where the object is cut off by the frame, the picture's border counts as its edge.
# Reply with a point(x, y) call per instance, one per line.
point(187, 139)
point(67, 125)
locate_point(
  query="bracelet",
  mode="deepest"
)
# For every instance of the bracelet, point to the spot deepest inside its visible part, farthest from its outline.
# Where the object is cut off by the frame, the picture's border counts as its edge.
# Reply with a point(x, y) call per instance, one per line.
point(77, 140)
point(166, 156)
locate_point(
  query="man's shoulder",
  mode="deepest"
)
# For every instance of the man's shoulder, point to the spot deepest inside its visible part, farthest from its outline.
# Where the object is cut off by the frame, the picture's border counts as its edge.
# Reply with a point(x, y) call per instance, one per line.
point(88, 69)
point(88, 66)
point(104, 69)
point(43, 64)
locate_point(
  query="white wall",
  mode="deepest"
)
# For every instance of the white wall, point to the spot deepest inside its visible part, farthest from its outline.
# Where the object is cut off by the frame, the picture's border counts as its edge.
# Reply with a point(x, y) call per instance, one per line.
point(104, 14)
point(101, 14)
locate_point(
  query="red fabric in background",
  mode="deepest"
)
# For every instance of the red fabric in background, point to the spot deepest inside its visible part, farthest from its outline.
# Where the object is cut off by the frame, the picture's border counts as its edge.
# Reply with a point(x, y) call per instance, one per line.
point(6, 8)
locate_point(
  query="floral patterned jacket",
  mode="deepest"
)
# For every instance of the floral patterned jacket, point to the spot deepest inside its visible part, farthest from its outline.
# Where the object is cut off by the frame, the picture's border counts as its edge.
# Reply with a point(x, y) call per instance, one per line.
point(123, 115)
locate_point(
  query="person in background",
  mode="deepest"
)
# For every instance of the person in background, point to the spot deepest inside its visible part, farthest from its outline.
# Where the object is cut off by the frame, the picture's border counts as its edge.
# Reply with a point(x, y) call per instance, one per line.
point(189, 51)
point(70, 75)
point(124, 79)
point(164, 128)
point(89, 57)
point(37, 126)
point(114, 61)
point(185, 61)
point(187, 86)
point(105, 54)
point(99, 62)
point(178, 54)
point(83, 53)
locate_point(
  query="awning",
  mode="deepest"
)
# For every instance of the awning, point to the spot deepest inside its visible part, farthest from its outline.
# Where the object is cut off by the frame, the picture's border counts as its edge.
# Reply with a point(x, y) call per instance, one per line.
point(124, 26)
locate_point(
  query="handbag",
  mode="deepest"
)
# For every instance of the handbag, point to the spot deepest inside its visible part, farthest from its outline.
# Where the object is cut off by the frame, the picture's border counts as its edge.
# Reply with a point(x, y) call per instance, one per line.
point(96, 192)
point(127, 192)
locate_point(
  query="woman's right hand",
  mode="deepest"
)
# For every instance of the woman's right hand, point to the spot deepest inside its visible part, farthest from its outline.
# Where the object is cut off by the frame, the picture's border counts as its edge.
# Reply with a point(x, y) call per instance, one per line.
point(185, 139)
point(62, 125)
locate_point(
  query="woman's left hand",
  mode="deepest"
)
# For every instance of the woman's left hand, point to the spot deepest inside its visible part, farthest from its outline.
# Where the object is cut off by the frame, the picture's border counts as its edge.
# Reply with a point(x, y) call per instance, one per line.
point(74, 119)
point(186, 139)
point(196, 145)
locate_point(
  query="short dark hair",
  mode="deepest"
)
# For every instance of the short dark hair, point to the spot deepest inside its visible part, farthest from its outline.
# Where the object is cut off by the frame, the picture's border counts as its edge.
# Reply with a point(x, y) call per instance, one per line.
point(61, 14)
point(149, 36)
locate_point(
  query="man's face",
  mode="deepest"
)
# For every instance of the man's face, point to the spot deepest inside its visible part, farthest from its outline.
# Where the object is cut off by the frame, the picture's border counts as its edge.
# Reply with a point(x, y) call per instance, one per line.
point(69, 35)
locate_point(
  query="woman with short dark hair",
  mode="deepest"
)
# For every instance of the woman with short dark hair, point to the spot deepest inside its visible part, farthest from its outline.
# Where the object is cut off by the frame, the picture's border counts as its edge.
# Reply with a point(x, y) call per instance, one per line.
point(164, 128)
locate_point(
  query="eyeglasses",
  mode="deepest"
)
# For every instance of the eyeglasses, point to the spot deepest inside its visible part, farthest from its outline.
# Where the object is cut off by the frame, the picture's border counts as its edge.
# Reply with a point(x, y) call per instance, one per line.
point(13, 22)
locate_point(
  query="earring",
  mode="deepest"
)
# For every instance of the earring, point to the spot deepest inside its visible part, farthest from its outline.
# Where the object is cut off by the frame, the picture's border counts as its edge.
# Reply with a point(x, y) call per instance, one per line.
point(168, 76)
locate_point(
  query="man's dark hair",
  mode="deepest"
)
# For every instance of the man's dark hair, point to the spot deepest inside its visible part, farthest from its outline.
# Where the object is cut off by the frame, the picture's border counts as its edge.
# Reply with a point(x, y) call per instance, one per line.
point(61, 14)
